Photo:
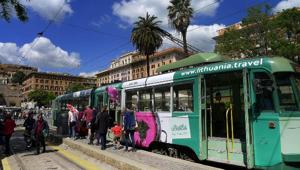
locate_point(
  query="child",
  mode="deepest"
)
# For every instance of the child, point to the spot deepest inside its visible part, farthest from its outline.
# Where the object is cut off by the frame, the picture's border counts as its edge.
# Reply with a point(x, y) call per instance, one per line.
point(117, 131)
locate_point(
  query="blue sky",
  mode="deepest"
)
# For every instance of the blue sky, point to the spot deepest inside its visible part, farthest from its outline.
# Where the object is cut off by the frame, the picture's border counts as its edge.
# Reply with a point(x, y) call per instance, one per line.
point(87, 35)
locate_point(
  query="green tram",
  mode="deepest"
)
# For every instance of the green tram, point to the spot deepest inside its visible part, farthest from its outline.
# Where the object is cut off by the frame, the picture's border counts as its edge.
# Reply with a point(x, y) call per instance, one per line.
point(242, 112)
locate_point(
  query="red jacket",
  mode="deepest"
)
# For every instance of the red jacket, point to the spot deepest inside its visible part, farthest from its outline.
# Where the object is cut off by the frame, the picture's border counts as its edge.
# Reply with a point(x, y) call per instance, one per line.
point(9, 126)
point(88, 114)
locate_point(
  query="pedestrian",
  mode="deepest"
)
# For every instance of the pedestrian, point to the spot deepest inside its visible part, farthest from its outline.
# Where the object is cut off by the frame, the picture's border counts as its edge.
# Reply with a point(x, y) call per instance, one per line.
point(88, 116)
point(129, 127)
point(41, 131)
point(29, 124)
point(72, 118)
point(102, 124)
point(1, 133)
point(81, 125)
point(117, 131)
point(9, 126)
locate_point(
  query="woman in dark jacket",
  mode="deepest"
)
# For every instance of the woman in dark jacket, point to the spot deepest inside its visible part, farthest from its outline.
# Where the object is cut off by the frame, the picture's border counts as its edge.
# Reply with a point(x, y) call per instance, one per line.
point(41, 130)
point(102, 124)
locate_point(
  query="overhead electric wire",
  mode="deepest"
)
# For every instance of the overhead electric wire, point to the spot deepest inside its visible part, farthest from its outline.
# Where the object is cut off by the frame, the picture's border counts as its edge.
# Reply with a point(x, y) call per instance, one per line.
point(93, 60)
point(94, 30)
point(199, 9)
point(42, 32)
point(233, 14)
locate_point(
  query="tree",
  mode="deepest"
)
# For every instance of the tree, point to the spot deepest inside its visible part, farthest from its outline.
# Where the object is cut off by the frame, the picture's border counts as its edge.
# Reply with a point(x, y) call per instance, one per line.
point(76, 87)
point(287, 41)
point(42, 97)
point(6, 10)
point(263, 34)
point(253, 39)
point(146, 36)
point(18, 77)
point(180, 14)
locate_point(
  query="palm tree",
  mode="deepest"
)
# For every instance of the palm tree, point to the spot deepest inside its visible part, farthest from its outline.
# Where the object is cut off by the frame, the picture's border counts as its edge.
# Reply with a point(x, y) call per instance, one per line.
point(180, 14)
point(146, 36)
point(6, 7)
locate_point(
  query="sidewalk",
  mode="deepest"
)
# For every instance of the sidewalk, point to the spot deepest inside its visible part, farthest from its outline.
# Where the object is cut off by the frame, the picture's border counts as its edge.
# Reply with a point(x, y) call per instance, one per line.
point(133, 160)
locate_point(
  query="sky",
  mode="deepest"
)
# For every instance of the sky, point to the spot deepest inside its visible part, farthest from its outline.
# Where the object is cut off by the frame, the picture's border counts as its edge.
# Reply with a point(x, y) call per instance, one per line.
point(83, 37)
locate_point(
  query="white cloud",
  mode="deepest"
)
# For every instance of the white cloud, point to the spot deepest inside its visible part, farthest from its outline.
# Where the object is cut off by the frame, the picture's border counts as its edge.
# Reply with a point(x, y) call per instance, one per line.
point(39, 53)
point(286, 4)
point(9, 53)
point(43, 53)
point(200, 36)
point(130, 10)
point(88, 74)
point(49, 8)
point(205, 7)
point(101, 21)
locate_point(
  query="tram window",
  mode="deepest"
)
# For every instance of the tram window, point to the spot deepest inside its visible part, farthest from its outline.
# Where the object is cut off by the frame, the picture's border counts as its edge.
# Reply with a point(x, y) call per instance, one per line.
point(183, 98)
point(286, 93)
point(131, 99)
point(265, 98)
point(162, 99)
point(145, 102)
point(100, 98)
point(63, 106)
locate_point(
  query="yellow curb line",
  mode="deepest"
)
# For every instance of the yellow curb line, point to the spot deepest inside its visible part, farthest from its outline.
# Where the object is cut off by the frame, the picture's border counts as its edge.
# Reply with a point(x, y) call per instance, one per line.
point(5, 164)
point(81, 162)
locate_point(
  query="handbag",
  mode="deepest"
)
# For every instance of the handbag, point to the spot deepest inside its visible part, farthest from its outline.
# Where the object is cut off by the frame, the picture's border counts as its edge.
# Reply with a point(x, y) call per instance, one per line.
point(45, 133)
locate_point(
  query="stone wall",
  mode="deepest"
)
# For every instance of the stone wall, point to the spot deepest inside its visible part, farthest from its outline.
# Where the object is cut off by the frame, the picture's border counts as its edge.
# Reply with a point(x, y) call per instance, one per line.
point(11, 94)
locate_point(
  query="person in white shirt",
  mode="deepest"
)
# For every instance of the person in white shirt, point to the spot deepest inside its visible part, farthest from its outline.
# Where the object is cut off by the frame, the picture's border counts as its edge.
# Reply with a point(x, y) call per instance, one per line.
point(72, 118)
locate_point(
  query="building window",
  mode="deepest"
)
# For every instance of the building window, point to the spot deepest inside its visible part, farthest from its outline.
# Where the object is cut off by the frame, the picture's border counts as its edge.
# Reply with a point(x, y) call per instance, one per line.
point(163, 63)
point(153, 66)
point(158, 65)
point(170, 61)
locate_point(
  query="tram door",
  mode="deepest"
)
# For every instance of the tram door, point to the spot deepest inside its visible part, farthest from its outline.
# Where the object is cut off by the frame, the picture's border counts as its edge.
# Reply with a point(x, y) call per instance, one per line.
point(223, 118)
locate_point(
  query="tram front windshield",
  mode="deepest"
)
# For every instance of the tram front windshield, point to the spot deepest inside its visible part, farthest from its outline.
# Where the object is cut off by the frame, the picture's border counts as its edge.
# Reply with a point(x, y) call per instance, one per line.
point(288, 85)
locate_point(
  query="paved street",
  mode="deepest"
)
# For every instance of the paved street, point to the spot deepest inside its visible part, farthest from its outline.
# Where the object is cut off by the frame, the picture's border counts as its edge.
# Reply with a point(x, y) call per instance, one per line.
point(56, 157)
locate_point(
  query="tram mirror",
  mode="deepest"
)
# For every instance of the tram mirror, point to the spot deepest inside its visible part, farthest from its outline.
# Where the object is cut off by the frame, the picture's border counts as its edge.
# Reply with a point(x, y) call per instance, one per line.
point(261, 85)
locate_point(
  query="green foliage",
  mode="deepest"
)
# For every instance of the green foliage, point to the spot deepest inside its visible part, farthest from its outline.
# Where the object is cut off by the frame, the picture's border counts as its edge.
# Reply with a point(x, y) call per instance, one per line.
point(263, 34)
point(180, 14)
point(7, 7)
point(76, 87)
point(42, 97)
point(18, 77)
point(146, 36)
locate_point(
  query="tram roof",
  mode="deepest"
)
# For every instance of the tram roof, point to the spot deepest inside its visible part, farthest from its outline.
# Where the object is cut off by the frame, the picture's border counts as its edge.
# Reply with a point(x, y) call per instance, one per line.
point(103, 88)
point(150, 81)
point(196, 59)
point(75, 94)
point(272, 64)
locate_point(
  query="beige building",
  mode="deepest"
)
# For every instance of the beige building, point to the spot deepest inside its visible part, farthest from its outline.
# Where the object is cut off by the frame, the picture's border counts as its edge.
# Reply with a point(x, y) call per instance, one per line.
point(11, 93)
point(54, 82)
point(8, 70)
point(132, 65)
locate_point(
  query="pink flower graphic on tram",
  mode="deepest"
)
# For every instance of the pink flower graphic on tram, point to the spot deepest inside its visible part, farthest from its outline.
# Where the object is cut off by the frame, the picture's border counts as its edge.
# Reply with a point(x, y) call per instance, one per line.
point(147, 129)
